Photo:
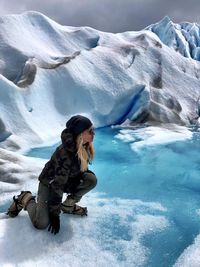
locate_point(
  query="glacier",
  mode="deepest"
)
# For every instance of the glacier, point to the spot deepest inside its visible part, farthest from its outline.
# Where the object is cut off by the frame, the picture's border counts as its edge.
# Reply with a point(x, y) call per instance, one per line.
point(109, 77)
point(144, 84)
point(182, 37)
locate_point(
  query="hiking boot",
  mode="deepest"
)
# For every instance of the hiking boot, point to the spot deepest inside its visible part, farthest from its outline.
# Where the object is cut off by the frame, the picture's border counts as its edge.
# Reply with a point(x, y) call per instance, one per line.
point(69, 206)
point(20, 202)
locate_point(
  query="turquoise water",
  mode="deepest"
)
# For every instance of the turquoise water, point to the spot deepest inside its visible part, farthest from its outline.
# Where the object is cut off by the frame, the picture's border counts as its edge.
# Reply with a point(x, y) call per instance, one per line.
point(167, 174)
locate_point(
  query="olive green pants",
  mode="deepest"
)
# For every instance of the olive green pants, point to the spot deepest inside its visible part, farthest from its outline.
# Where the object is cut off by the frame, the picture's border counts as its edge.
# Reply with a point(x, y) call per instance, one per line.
point(39, 212)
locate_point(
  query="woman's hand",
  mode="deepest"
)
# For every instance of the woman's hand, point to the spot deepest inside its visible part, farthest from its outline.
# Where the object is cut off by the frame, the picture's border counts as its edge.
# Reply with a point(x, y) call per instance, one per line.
point(54, 223)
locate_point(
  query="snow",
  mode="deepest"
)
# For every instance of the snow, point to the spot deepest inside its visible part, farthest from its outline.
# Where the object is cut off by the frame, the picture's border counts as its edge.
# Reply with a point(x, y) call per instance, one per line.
point(49, 72)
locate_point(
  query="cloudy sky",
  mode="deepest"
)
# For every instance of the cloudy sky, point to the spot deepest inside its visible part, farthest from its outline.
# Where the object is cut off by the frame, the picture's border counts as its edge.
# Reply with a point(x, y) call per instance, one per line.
point(108, 15)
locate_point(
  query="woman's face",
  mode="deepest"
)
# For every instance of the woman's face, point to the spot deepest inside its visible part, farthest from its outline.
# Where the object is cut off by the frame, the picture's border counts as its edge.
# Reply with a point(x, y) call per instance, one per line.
point(88, 135)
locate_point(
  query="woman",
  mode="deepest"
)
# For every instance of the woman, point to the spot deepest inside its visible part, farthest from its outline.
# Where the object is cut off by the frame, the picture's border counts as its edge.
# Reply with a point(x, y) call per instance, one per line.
point(66, 172)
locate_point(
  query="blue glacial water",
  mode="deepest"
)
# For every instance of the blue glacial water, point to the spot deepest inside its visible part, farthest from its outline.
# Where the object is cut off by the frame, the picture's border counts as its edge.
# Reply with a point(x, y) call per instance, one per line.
point(168, 174)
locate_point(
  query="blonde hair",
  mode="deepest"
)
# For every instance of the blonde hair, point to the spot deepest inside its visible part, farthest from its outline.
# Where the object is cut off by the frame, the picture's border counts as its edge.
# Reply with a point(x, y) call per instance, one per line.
point(85, 153)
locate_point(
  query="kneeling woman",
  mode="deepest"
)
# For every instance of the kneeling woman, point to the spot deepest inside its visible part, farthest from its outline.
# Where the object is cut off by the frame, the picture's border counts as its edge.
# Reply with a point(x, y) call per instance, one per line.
point(66, 172)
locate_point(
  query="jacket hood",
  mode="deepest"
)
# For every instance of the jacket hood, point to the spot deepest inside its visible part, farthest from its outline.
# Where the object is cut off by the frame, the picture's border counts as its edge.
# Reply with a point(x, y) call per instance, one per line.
point(68, 141)
point(78, 124)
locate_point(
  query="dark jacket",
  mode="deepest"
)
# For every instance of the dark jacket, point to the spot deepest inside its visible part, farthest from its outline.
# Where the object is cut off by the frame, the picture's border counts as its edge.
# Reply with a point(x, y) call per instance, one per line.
point(61, 170)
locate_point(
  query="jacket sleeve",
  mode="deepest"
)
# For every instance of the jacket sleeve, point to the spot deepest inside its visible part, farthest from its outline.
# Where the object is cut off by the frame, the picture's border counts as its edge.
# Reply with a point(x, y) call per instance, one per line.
point(57, 184)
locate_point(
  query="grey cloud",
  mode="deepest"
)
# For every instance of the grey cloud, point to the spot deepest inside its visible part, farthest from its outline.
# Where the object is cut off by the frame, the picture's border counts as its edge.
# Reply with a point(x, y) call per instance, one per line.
point(108, 15)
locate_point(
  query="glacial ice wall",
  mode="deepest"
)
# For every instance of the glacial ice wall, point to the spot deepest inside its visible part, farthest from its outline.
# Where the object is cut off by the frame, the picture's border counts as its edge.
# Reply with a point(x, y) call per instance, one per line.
point(183, 37)
point(49, 72)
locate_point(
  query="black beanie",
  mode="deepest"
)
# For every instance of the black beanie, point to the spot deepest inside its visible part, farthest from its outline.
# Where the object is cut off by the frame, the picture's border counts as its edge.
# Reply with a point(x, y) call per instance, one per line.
point(78, 124)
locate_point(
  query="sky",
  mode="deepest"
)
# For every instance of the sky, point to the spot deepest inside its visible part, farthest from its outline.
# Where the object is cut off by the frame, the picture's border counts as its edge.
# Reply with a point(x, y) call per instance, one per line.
point(108, 15)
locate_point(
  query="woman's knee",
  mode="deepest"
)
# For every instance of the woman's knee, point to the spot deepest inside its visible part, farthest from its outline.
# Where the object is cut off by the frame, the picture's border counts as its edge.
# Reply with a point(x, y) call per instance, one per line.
point(90, 178)
point(40, 224)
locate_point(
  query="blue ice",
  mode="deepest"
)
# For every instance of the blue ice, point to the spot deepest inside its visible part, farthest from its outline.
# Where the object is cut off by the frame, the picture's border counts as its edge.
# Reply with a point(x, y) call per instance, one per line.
point(148, 210)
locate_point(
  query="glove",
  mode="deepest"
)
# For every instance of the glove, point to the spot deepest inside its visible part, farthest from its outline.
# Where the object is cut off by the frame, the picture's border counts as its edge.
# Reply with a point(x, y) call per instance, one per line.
point(54, 223)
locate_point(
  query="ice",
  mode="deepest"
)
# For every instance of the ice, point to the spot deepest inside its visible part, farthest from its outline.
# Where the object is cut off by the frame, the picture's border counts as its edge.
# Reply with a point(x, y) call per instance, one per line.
point(183, 37)
point(166, 172)
point(154, 135)
point(17, 172)
point(50, 72)
point(137, 205)
point(145, 210)
point(190, 257)
point(111, 236)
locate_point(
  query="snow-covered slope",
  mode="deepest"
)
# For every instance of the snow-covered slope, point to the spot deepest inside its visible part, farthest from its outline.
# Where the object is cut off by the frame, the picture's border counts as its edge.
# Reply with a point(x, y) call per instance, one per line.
point(49, 72)
point(183, 37)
